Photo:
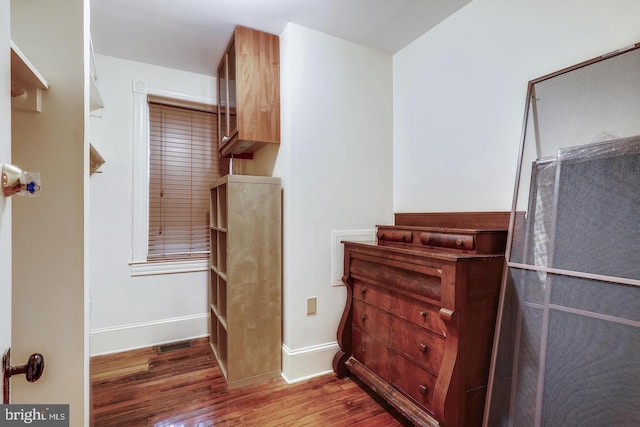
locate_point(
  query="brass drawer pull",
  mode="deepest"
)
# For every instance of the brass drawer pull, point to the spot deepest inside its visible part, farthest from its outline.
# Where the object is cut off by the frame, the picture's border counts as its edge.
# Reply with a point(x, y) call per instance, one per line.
point(423, 313)
point(423, 347)
point(363, 317)
point(423, 389)
point(363, 291)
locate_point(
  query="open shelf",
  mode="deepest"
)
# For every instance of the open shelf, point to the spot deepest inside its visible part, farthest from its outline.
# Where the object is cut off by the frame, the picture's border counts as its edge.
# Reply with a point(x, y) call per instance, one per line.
point(213, 248)
point(218, 339)
point(222, 206)
point(221, 352)
point(213, 209)
point(213, 289)
point(95, 160)
point(95, 99)
point(23, 72)
point(213, 329)
point(222, 252)
point(222, 297)
point(26, 82)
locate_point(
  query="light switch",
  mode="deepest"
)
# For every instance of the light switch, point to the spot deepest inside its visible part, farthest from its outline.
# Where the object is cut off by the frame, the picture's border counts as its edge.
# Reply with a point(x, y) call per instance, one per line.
point(311, 305)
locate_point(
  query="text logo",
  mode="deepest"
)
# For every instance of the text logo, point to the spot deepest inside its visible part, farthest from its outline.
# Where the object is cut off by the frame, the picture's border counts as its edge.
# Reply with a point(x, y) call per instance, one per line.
point(34, 415)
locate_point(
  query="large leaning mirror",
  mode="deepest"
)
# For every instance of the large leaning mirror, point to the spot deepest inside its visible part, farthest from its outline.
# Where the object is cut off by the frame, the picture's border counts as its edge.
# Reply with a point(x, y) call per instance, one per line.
point(567, 347)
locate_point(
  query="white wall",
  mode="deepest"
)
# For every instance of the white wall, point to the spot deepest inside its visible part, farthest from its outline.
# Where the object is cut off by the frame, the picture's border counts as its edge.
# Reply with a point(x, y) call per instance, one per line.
point(130, 312)
point(459, 93)
point(49, 265)
point(5, 204)
point(335, 164)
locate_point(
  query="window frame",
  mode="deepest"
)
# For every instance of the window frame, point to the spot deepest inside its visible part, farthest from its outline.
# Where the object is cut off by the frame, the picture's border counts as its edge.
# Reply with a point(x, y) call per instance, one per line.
point(139, 264)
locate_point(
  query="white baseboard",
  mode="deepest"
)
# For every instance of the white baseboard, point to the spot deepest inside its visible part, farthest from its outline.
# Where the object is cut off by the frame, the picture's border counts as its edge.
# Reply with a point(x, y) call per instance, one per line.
point(309, 362)
point(147, 334)
point(297, 365)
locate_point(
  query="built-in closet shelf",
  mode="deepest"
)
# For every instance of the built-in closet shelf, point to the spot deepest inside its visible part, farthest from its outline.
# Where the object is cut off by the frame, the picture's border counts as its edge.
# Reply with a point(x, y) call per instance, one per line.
point(95, 99)
point(95, 160)
point(26, 81)
point(23, 72)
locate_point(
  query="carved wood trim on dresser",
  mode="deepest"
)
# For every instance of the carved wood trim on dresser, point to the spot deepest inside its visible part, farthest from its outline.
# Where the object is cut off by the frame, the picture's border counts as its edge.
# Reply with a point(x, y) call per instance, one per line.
point(419, 317)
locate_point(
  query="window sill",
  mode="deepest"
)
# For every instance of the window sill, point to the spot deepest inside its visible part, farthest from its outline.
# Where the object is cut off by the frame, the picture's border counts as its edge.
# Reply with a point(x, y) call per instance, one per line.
point(168, 267)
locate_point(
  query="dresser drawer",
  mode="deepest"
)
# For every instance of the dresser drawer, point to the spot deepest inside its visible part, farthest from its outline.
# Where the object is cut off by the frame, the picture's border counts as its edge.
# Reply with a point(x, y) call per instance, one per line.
point(395, 369)
point(373, 355)
point(422, 346)
point(414, 381)
point(374, 322)
point(422, 280)
point(415, 311)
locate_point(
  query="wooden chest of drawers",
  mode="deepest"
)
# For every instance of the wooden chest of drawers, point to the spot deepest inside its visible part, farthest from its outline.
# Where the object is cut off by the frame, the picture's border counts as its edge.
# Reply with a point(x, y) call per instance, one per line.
point(419, 319)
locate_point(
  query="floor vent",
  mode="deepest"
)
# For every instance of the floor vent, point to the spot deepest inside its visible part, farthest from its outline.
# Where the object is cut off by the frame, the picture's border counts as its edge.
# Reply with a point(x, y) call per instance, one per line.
point(166, 348)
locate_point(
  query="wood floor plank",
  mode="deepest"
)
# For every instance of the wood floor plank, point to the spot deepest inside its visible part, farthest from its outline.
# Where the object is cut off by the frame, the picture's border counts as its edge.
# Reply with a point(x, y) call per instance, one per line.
point(185, 388)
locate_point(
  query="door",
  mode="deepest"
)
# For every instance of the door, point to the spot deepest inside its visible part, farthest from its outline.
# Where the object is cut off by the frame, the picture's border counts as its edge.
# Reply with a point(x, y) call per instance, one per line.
point(5, 204)
point(46, 252)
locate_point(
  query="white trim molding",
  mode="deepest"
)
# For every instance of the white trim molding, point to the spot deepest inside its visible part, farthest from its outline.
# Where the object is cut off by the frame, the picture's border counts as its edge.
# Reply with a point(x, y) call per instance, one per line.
point(168, 267)
point(140, 194)
point(147, 334)
point(337, 249)
point(308, 362)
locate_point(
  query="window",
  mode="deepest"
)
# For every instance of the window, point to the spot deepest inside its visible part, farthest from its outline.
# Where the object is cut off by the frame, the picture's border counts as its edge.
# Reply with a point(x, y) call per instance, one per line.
point(197, 93)
point(183, 161)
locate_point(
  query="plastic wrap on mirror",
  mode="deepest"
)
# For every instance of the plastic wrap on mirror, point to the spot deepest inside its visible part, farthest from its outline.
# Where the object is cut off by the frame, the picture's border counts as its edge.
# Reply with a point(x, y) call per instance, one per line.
point(578, 202)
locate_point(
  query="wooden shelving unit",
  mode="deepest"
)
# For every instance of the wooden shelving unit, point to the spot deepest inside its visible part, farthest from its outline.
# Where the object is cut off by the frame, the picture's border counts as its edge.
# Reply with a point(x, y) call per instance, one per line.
point(245, 285)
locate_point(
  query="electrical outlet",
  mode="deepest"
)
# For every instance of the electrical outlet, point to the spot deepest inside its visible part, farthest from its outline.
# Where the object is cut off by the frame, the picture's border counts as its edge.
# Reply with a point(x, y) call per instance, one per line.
point(311, 305)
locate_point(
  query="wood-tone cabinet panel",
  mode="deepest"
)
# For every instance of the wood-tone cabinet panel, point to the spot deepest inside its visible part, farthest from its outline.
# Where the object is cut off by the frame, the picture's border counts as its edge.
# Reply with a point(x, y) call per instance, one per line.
point(249, 93)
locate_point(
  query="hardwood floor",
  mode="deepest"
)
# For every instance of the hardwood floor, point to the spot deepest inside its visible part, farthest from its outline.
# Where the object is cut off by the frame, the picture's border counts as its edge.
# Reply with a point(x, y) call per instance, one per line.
point(185, 388)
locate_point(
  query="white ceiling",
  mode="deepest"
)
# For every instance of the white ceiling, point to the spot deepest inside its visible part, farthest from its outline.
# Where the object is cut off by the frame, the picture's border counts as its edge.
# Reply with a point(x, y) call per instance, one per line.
point(191, 35)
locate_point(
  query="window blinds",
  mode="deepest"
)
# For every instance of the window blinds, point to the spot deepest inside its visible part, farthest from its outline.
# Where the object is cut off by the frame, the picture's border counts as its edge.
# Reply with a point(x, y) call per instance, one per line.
point(183, 161)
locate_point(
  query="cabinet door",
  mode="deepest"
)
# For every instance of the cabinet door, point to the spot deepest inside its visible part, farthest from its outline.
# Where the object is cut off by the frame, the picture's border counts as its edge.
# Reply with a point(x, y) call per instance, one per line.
point(223, 103)
point(249, 84)
point(232, 120)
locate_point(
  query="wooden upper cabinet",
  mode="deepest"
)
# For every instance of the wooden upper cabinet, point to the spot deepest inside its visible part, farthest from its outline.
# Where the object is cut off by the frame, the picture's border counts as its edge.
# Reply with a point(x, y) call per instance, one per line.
point(249, 93)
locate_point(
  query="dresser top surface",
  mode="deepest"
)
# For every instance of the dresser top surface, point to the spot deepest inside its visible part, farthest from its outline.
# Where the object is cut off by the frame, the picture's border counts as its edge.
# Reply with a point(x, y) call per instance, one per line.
point(447, 230)
point(438, 254)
